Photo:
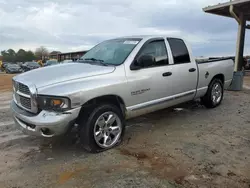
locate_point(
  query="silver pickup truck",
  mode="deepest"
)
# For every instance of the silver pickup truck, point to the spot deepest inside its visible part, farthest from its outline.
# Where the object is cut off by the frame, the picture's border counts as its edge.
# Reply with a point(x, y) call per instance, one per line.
point(115, 80)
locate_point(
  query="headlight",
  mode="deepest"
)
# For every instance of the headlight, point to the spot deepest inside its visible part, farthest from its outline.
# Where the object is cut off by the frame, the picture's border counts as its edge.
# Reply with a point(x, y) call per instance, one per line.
point(15, 85)
point(53, 103)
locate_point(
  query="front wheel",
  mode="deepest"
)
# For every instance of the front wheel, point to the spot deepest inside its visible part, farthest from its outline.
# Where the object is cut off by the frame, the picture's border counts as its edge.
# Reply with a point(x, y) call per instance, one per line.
point(214, 94)
point(102, 128)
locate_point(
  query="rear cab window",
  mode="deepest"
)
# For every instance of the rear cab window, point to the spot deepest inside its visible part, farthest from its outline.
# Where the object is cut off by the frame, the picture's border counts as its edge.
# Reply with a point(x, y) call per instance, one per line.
point(179, 51)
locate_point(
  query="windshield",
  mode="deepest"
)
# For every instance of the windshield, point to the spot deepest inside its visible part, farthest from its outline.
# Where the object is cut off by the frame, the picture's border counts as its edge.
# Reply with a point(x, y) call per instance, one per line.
point(113, 52)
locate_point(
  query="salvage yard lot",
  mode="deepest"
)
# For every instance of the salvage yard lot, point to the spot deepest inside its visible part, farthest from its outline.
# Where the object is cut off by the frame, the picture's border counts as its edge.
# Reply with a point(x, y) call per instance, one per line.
point(187, 146)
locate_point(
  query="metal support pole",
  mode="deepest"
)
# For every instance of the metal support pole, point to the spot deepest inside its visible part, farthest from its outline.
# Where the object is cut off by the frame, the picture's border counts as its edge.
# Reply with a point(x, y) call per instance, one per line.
point(233, 14)
point(240, 44)
point(237, 82)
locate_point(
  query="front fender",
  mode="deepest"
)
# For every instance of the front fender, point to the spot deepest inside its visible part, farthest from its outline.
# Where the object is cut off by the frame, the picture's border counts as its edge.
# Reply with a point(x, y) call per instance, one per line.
point(82, 90)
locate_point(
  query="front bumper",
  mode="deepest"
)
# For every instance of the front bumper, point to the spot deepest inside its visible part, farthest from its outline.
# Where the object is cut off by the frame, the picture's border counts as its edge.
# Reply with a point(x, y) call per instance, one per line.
point(45, 124)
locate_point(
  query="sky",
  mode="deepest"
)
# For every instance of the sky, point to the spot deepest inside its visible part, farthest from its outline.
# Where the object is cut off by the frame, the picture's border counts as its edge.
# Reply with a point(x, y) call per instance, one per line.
point(76, 25)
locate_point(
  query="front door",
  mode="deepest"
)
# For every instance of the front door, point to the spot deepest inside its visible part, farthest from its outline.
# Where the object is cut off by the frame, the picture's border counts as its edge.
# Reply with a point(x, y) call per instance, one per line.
point(149, 85)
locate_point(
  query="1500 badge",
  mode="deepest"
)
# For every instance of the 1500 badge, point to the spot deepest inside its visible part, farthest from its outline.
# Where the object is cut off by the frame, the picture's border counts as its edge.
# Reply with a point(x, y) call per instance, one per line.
point(139, 91)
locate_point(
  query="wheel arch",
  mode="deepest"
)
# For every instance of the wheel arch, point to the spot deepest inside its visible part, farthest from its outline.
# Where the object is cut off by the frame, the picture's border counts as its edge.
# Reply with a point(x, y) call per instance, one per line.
point(220, 77)
point(111, 99)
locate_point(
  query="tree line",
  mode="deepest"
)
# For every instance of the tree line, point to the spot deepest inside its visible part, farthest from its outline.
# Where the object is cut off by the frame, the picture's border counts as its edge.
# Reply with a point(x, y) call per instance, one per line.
point(21, 55)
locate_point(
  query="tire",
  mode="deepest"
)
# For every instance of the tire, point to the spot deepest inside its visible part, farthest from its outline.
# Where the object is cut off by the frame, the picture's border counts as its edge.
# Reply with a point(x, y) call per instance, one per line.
point(92, 123)
point(213, 96)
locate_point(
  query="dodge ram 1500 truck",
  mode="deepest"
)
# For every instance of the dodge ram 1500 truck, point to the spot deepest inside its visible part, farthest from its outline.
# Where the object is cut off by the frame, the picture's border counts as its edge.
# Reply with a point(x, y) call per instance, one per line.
point(115, 80)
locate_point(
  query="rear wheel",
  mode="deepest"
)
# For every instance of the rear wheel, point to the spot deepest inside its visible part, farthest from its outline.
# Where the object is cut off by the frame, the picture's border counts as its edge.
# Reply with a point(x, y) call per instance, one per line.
point(102, 128)
point(214, 94)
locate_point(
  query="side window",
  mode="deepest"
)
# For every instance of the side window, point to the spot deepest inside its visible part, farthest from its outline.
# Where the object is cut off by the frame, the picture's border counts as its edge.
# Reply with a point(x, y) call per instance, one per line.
point(179, 51)
point(158, 50)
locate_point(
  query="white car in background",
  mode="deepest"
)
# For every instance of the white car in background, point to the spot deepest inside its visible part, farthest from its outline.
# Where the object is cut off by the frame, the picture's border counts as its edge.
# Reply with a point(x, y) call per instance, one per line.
point(67, 61)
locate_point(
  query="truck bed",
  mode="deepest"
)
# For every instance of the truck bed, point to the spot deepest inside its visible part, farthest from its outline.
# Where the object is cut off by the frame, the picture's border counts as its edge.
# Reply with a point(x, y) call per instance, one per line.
point(208, 60)
point(208, 68)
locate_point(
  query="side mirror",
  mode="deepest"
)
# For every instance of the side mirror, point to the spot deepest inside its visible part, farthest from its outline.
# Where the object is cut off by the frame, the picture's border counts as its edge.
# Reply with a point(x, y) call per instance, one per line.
point(143, 61)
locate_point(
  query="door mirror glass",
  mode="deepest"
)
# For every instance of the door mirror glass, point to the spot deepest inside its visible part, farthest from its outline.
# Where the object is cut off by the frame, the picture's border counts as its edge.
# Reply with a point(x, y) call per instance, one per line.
point(145, 61)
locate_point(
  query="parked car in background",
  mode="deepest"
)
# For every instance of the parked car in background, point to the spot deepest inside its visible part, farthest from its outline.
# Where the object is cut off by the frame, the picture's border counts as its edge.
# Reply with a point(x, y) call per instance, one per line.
point(67, 61)
point(50, 63)
point(13, 68)
point(114, 81)
point(27, 66)
point(4, 64)
point(19, 63)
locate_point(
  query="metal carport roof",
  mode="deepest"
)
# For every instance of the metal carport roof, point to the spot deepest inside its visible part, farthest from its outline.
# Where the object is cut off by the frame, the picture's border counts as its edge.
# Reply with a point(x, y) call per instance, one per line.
point(240, 11)
point(223, 9)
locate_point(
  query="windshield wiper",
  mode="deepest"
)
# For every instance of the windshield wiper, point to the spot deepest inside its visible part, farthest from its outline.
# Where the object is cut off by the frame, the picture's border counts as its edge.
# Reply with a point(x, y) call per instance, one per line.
point(94, 59)
point(100, 61)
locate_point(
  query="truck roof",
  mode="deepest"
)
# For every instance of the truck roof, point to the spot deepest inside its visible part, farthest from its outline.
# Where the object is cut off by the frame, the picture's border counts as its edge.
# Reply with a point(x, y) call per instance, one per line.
point(149, 36)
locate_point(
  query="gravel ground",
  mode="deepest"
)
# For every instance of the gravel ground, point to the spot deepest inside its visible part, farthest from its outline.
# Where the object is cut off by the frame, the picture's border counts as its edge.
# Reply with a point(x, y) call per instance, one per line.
point(186, 146)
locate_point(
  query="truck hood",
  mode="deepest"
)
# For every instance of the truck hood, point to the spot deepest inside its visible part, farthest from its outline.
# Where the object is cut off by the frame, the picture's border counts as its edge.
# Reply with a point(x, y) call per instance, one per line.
point(63, 72)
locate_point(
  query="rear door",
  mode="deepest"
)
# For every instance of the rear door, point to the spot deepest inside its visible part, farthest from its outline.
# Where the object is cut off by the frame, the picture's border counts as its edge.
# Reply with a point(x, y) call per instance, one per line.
point(184, 71)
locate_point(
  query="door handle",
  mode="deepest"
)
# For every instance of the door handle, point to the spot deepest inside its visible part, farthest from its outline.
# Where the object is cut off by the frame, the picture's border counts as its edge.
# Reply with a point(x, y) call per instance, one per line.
point(192, 70)
point(167, 74)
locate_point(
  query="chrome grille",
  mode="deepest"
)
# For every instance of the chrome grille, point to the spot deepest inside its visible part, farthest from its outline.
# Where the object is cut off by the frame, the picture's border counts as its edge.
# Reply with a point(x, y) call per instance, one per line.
point(25, 102)
point(23, 89)
point(22, 96)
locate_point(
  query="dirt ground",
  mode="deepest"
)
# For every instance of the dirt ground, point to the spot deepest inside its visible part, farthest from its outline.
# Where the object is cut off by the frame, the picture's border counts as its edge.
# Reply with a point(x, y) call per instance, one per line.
point(5, 82)
point(185, 146)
